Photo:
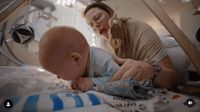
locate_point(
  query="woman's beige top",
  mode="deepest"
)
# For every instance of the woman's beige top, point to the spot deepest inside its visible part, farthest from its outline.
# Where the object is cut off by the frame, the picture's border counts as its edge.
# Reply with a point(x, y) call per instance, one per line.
point(139, 42)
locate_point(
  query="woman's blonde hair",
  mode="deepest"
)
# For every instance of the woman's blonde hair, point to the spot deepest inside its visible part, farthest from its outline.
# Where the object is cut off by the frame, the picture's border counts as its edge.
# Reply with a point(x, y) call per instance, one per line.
point(101, 6)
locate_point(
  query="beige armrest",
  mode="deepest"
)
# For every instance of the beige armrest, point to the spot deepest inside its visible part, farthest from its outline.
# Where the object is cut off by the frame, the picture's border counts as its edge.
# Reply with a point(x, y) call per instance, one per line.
point(180, 37)
point(11, 9)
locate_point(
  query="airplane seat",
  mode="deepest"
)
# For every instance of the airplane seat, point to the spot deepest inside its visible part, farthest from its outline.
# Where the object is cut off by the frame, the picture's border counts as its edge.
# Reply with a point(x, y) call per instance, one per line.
point(178, 57)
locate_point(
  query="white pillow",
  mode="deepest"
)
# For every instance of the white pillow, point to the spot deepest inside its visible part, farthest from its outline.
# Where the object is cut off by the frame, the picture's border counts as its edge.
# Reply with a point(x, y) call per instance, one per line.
point(169, 41)
point(180, 61)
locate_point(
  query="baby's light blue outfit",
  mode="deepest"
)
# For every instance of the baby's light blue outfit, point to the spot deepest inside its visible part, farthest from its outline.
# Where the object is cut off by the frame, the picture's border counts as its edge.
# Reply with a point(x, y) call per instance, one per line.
point(102, 66)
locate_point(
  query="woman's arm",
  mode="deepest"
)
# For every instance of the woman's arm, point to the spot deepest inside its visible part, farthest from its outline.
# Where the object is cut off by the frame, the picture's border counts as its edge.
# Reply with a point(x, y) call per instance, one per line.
point(140, 70)
point(134, 69)
point(167, 77)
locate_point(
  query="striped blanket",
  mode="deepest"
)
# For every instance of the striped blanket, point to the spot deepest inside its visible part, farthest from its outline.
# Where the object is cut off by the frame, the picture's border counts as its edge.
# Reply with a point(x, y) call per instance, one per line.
point(124, 96)
point(35, 91)
point(53, 102)
point(39, 92)
point(70, 102)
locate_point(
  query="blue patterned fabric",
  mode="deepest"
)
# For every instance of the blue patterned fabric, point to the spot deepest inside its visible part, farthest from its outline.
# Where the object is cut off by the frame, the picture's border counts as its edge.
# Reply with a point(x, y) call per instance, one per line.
point(57, 102)
point(54, 102)
point(31, 104)
point(129, 88)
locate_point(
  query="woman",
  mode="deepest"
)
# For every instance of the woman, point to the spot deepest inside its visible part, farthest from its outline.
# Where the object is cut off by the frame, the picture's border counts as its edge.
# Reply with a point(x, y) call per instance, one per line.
point(136, 41)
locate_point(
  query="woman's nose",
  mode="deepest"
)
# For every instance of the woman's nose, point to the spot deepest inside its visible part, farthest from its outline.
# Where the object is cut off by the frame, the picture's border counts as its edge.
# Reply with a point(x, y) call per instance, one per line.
point(96, 27)
point(96, 24)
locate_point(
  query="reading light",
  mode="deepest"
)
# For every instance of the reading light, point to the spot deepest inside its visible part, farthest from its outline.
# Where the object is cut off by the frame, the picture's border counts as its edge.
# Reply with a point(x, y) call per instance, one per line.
point(68, 3)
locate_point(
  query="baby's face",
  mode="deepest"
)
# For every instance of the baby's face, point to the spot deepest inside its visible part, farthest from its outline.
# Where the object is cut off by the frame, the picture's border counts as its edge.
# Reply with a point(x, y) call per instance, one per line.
point(64, 52)
point(65, 69)
point(70, 72)
point(71, 69)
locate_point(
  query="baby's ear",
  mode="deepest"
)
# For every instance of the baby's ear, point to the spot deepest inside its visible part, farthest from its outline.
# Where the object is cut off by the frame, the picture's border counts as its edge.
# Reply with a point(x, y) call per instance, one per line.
point(76, 57)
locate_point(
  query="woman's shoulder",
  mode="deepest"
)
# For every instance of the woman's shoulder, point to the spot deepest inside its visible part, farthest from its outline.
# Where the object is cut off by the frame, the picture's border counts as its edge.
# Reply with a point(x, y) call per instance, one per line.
point(132, 24)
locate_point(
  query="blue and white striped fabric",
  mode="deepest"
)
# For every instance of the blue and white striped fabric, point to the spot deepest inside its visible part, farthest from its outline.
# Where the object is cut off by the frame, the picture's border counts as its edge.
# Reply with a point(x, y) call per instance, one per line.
point(54, 102)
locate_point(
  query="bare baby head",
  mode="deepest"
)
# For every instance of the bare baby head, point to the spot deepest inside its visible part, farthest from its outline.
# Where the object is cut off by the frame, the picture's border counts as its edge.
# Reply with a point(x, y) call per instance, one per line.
point(64, 51)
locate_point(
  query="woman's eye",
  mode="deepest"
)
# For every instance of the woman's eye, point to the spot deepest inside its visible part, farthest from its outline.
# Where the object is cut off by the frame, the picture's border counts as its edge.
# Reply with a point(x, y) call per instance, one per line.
point(96, 17)
point(91, 24)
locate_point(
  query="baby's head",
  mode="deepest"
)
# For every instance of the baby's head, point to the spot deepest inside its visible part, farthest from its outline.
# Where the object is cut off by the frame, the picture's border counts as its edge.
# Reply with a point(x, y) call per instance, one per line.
point(64, 51)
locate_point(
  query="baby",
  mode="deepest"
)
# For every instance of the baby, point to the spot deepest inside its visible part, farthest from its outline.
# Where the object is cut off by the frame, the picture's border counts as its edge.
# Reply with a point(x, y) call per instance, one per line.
point(65, 52)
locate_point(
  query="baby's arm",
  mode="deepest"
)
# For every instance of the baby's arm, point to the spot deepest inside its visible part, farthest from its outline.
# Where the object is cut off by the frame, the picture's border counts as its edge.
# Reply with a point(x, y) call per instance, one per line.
point(102, 68)
point(106, 72)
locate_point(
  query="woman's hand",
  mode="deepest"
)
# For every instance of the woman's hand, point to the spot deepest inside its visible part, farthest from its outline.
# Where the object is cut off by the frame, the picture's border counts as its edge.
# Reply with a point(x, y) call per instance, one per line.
point(137, 70)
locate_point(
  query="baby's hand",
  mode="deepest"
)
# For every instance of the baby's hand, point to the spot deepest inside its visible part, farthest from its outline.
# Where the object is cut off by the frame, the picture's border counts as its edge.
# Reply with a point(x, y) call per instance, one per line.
point(74, 85)
point(84, 83)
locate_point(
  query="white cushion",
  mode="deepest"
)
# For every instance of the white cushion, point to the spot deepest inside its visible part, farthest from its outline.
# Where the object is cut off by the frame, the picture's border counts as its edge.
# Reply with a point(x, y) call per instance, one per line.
point(169, 42)
point(177, 55)
point(179, 60)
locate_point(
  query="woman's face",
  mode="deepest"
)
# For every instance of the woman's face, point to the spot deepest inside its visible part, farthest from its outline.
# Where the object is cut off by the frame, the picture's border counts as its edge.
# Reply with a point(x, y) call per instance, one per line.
point(98, 19)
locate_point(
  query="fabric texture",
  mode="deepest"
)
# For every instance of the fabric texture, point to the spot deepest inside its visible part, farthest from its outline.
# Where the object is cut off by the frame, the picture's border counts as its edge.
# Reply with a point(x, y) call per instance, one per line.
point(102, 66)
point(91, 101)
point(132, 89)
point(84, 102)
point(49, 102)
point(139, 42)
